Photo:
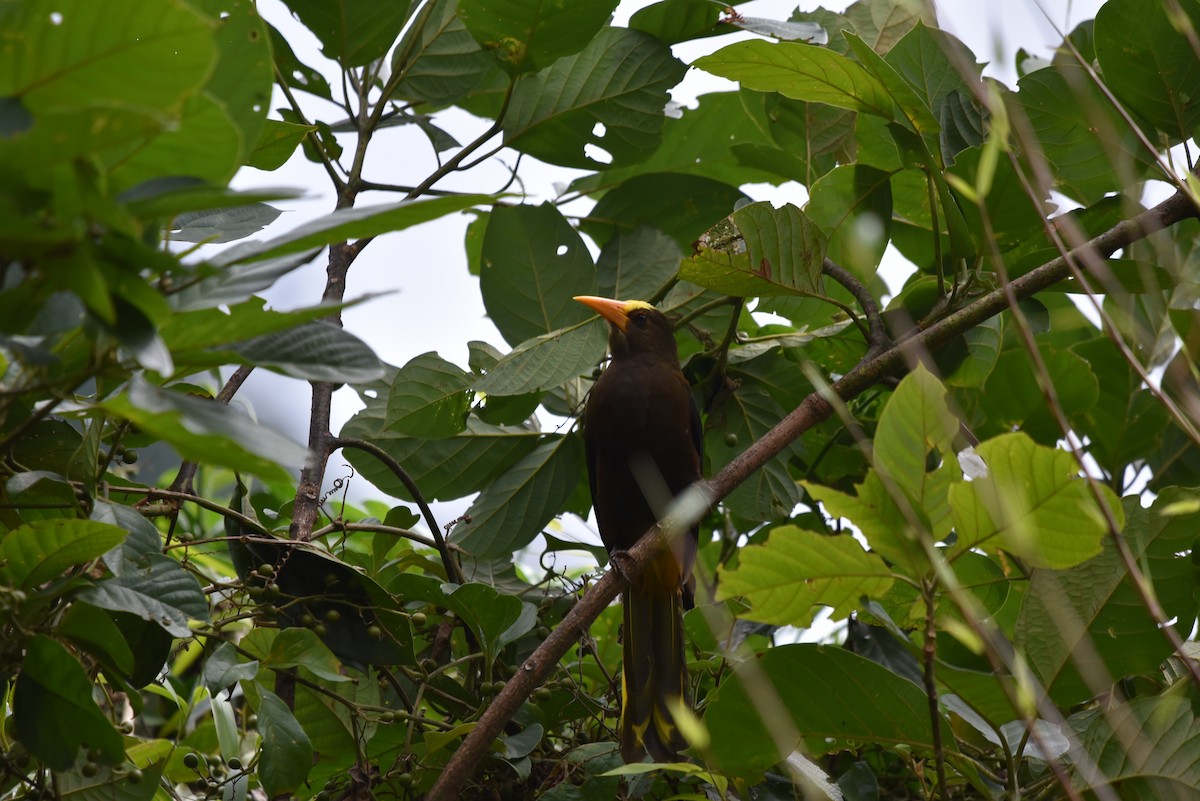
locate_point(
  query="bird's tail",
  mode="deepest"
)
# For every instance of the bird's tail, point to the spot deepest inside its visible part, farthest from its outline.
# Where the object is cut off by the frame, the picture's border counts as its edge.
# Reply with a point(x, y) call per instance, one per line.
point(655, 673)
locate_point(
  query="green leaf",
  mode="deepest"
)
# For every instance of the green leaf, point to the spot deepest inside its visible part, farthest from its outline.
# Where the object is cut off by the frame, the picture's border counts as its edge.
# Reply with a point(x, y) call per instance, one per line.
point(801, 72)
point(946, 75)
point(496, 619)
point(223, 669)
point(1092, 611)
point(214, 226)
point(299, 75)
point(915, 421)
point(818, 698)
point(1088, 147)
point(94, 631)
point(53, 710)
point(1115, 739)
point(276, 144)
point(546, 361)
point(530, 34)
point(912, 107)
point(675, 21)
point(116, 783)
point(439, 60)
point(533, 264)
point(1032, 503)
point(161, 592)
point(983, 351)
point(205, 144)
point(796, 570)
point(352, 32)
point(40, 552)
point(852, 205)
point(516, 506)
point(766, 251)
point(681, 206)
point(444, 469)
point(1148, 59)
point(286, 753)
point(637, 265)
point(1012, 394)
point(703, 141)
point(356, 223)
point(316, 351)
point(206, 431)
point(296, 647)
point(610, 95)
point(244, 74)
point(96, 77)
point(430, 398)
point(874, 511)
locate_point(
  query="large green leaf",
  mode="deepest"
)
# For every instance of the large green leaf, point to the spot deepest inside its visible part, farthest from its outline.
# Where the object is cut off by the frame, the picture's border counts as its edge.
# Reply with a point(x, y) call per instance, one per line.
point(216, 226)
point(915, 421)
point(496, 619)
point(796, 571)
point(438, 61)
point(429, 398)
point(316, 351)
point(96, 76)
point(1144, 748)
point(1093, 610)
point(637, 264)
point(39, 552)
point(853, 206)
point(352, 32)
point(913, 110)
point(1031, 503)
point(610, 95)
point(1147, 53)
point(801, 72)
point(765, 251)
point(206, 144)
point(53, 710)
point(161, 592)
point(533, 264)
point(817, 698)
point(945, 73)
point(530, 34)
point(546, 361)
point(516, 506)
point(206, 431)
point(286, 755)
point(1085, 143)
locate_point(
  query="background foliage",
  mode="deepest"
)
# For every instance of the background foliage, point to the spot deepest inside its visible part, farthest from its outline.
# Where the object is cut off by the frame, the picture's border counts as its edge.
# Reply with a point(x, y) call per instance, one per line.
point(1005, 528)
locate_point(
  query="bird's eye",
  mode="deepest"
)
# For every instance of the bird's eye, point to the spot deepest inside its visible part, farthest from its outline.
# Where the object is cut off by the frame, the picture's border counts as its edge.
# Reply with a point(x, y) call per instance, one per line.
point(641, 320)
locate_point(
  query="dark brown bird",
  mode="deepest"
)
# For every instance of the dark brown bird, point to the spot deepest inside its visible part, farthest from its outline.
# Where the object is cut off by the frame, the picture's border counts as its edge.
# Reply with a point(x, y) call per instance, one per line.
point(644, 446)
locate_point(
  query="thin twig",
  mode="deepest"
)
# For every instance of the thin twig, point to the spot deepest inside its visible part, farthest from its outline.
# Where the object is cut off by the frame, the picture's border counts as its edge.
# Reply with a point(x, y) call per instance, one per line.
point(453, 572)
point(877, 335)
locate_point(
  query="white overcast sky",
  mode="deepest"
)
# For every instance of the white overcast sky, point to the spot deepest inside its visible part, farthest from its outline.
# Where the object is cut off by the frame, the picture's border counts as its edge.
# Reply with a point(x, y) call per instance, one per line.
point(432, 303)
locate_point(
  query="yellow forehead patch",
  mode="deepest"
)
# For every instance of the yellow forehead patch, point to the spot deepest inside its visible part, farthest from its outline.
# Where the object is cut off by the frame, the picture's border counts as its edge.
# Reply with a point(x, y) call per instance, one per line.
point(630, 305)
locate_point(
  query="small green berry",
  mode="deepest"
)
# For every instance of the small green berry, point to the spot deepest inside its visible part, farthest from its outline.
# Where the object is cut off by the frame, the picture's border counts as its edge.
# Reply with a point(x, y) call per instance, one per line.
point(234, 764)
point(374, 632)
point(405, 780)
point(387, 717)
point(731, 440)
point(88, 769)
point(418, 619)
point(136, 776)
point(333, 616)
point(320, 629)
point(307, 620)
point(191, 761)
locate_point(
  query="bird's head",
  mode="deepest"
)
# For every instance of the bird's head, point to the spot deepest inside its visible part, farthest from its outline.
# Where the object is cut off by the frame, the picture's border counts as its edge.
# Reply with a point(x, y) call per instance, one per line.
point(635, 327)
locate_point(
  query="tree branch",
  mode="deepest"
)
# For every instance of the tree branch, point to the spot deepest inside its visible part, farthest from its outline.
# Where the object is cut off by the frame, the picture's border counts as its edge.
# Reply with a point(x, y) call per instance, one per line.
point(811, 411)
point(453, 572)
